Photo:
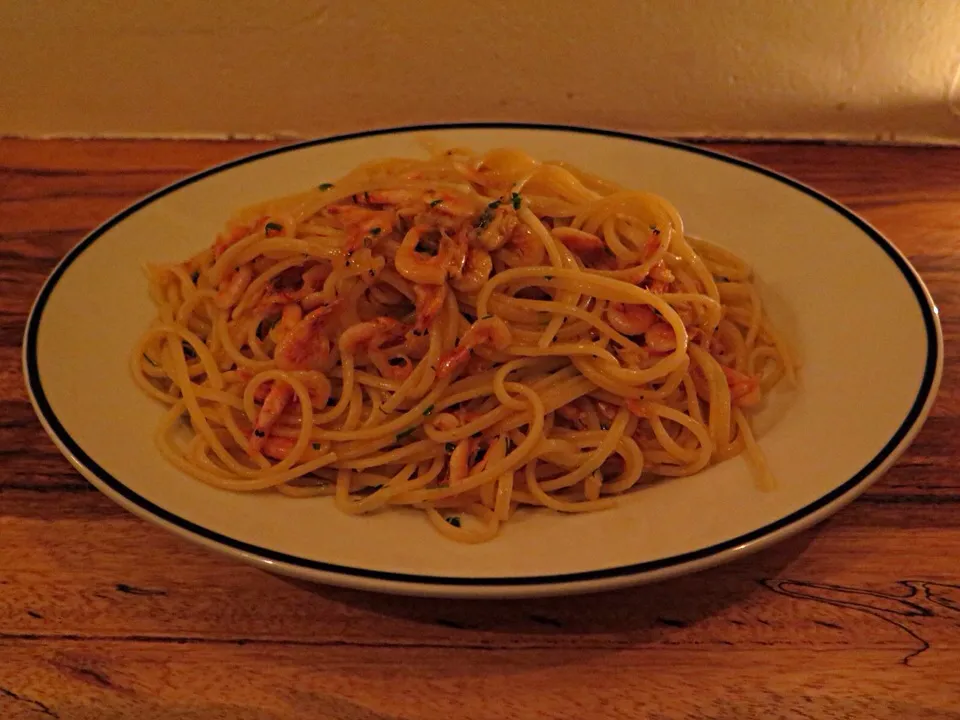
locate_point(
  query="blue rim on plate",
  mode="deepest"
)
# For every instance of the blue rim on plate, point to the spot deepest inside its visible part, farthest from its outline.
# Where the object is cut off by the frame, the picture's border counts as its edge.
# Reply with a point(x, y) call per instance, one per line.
point(924, 395)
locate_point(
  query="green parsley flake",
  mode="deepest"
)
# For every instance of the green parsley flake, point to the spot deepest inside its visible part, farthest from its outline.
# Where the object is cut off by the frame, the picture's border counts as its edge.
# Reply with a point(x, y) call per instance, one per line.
point(450, 447)
point(486, 217)
point(453, 520)
point(324, 186)
point(434, 203)
point(405, 433)
point(428, 410)
point(515, 199)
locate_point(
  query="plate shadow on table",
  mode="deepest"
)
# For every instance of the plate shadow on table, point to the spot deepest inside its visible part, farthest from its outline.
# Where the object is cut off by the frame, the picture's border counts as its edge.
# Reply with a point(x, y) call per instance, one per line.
point(634, 615)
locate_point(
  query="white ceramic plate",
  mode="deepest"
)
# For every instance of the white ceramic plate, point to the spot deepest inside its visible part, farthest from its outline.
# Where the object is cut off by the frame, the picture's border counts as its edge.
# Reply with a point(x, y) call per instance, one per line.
point(864, 324)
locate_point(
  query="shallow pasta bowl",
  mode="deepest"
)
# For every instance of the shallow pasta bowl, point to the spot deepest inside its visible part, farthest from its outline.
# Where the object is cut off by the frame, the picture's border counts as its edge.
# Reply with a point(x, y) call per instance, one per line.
point(842, 294)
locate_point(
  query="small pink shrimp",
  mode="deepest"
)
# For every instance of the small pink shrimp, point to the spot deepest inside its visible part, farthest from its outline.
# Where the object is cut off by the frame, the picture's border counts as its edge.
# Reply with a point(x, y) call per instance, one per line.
point(418, 265)
point(744, 389)
point(394, 365)
point(486, 331)
point(496, 226)
point(416, 342)
point(631, 319)
point(449, 204)
point(476, 271)
point(371, 334)
point(637, 407)
point(305, 347)
point(235, 234)
point(385, 197)
point(652, 244)
point(363, 232)
point(572, 413)
point(660, 338)
point(588, 246)
point(429, 301)
point(659, 278)
point(231, 290)
point(608, 410)
point(460, 461)
point(522, 249)
point(274, 404)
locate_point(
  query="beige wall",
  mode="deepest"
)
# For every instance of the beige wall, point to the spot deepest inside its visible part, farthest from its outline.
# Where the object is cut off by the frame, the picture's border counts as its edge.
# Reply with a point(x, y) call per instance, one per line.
point(863, 69)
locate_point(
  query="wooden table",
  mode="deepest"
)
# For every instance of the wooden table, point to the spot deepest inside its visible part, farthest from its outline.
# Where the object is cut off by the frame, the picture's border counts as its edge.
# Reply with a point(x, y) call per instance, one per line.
point(104, 616)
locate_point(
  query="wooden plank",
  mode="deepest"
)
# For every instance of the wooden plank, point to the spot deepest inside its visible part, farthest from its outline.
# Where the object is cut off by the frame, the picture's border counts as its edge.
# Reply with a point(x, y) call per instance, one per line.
point(95, 679)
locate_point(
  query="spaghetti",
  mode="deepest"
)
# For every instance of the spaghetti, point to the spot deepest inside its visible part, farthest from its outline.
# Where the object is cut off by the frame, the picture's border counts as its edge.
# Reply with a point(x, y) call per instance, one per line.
point(464, 335)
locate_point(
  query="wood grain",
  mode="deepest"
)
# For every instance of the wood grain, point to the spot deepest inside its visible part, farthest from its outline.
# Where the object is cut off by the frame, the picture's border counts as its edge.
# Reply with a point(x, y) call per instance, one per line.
point(105, 616)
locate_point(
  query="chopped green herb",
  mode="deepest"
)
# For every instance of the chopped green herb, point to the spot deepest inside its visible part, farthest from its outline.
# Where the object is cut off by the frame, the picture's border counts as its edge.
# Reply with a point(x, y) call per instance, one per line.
point(405, 433)
point(259, 433)
point(427, 410)
point(149, 360)
point(485, 218)
point(194, 276)
point(494, 205)
point(654, 229)
point(515, 199)
point(450, 447)
point(188, 350)
point(434, 203)
point(453, 520)
point(372, 273)
point(272, 227)
point(324, 186)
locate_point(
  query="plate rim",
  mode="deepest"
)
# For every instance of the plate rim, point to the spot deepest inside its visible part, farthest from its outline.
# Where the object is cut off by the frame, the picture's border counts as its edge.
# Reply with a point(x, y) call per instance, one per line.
point(416, 583)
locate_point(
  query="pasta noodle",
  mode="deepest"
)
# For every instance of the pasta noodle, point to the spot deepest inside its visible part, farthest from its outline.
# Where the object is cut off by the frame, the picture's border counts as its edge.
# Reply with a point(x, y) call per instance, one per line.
point(465, 335)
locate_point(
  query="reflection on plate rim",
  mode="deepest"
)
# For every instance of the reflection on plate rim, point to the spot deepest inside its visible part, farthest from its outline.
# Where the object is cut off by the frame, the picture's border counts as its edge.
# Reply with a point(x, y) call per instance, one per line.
point(496, 586)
